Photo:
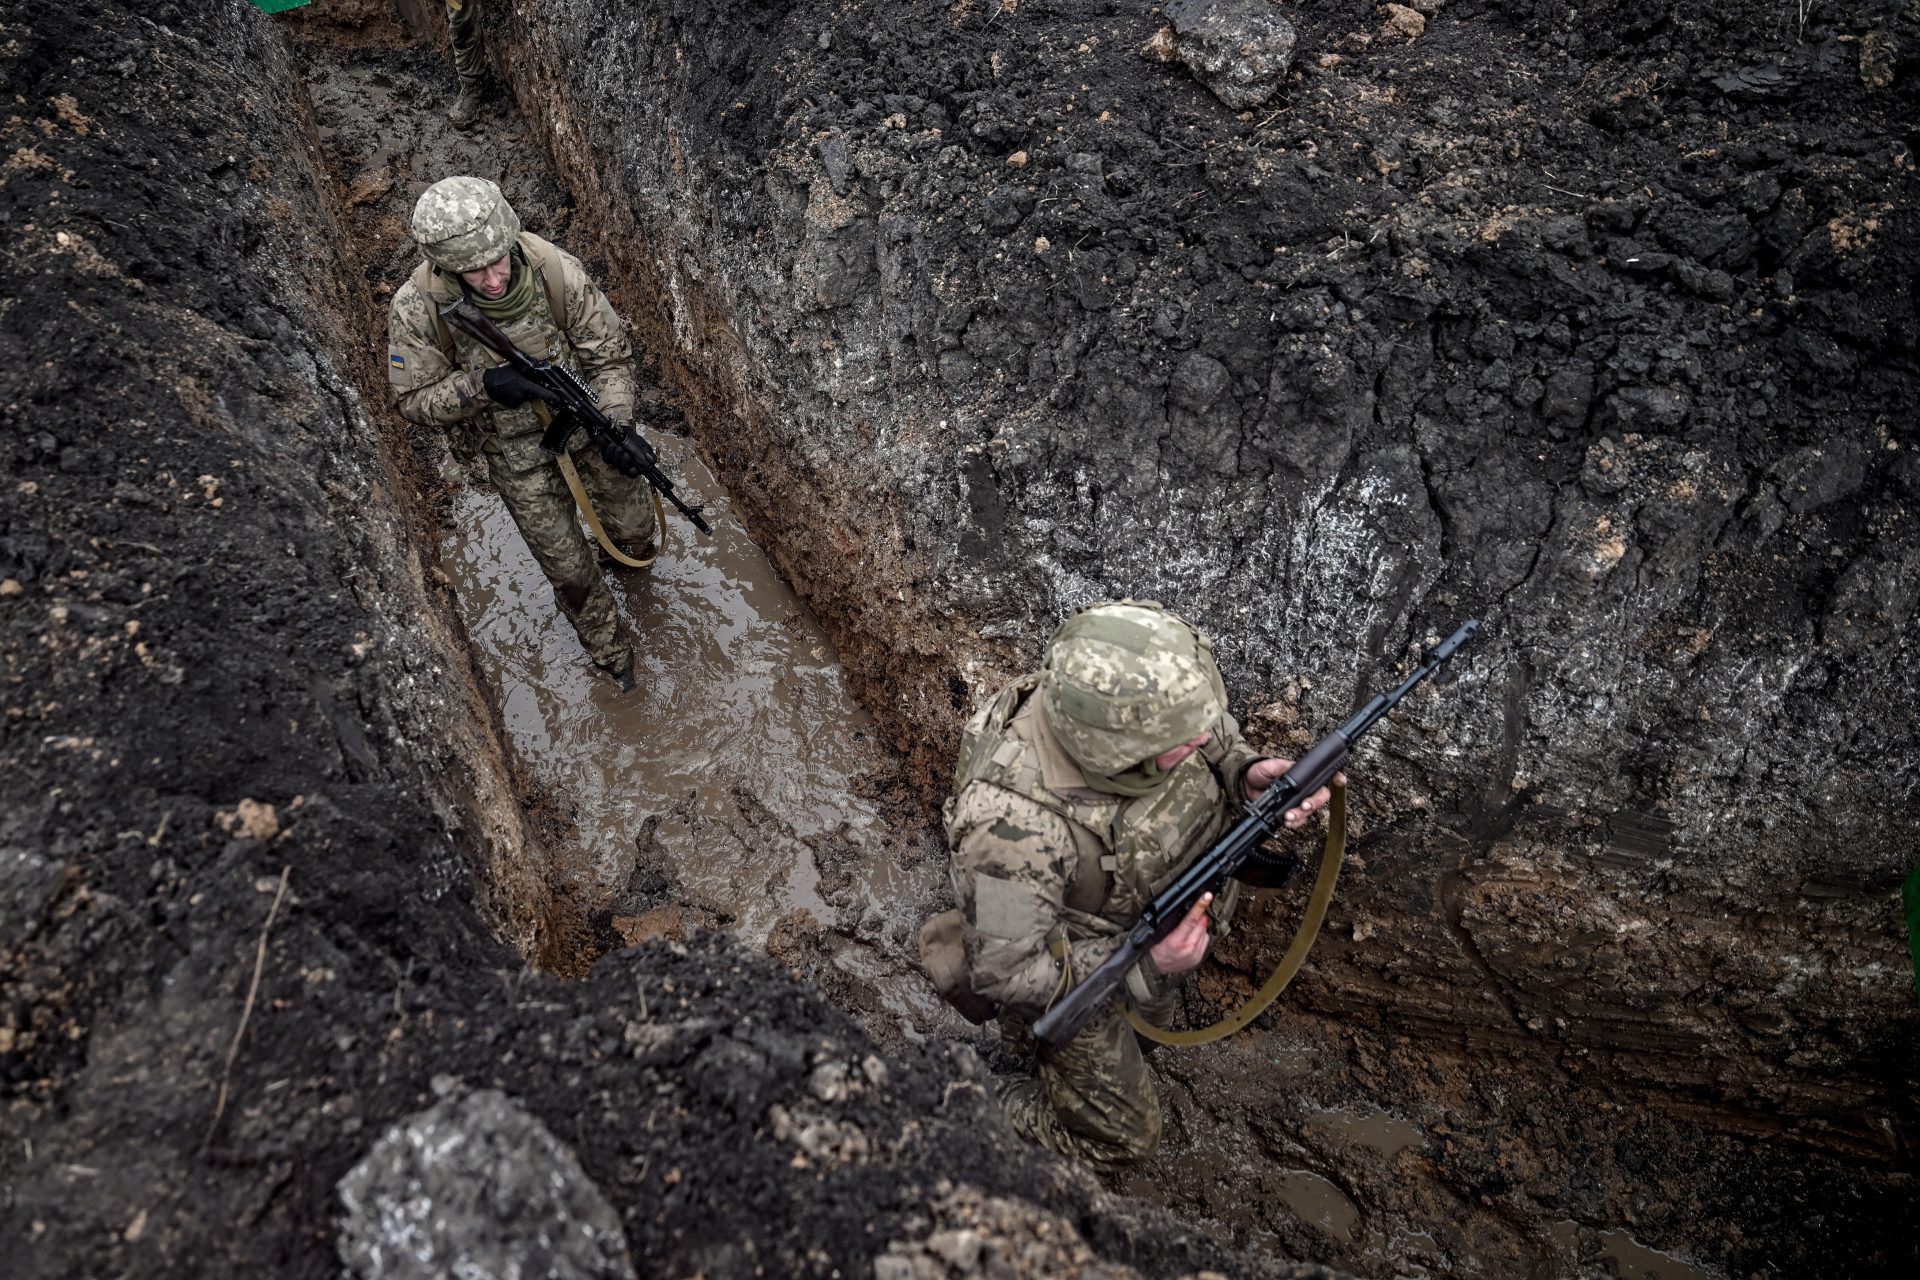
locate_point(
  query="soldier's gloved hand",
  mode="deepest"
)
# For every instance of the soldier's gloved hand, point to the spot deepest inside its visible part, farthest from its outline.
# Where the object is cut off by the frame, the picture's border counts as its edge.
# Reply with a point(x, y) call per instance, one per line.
point(510, 387)
point(628, 455)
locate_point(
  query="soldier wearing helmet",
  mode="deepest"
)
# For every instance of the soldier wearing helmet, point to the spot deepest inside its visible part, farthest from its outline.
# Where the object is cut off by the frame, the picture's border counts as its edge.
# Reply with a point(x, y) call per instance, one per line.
point(541, 297)
point(1082, 789)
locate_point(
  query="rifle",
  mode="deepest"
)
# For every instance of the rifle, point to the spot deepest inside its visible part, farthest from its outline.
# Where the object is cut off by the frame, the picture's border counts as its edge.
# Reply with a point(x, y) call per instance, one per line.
point(1264, 817)
point(574, 405)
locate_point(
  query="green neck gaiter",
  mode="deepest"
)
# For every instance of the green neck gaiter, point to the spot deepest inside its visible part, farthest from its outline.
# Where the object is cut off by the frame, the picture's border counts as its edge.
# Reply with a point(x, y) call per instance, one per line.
point(512, 304)
point(1140, 780)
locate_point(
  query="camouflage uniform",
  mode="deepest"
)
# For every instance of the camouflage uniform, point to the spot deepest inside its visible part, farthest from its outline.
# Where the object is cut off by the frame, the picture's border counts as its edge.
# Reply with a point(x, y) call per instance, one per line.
point(1059, 836)
point(436, 374)
point(463, 28)
point(469, 63)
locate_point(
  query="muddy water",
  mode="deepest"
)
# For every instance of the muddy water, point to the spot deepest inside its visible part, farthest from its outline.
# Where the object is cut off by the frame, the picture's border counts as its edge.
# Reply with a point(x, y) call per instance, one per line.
point(1386, 1134)
point(731, 788)
point(737, 753)
point(1617, 1253)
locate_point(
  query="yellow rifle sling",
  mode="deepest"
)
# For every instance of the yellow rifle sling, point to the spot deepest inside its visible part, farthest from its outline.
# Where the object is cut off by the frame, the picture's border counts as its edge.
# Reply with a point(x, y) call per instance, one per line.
point(1330, 858)
point(581, 500)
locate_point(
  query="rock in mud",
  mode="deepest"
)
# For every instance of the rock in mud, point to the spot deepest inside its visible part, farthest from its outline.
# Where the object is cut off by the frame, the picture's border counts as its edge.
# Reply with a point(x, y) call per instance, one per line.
point(1403, 20)
point(1239, 49)
point(969, 1234)
point(474, 1186)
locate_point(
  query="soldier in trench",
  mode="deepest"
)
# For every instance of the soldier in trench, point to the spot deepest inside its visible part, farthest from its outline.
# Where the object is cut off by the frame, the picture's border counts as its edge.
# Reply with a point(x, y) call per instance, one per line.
point(541, 297)
point(1081, 789)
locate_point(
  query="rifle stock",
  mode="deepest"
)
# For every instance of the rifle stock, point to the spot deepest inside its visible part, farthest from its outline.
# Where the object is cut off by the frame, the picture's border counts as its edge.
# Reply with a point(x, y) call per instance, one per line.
point(1076, 1008)
point(1266, 816)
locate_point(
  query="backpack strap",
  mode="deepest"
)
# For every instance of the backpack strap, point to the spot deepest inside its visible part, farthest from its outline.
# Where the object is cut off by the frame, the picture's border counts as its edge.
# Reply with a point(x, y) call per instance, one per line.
point(424, 280)
point(990, 753)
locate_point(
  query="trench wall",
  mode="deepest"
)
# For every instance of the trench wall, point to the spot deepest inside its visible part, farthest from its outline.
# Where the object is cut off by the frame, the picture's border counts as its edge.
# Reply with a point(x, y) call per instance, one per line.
point(984, 315)
point(222, 658)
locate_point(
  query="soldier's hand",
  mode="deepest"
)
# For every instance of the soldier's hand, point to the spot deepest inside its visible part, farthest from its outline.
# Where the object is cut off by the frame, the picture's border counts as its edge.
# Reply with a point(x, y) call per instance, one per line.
point(628, 455)
point(1186, 946)
point(1264, 773)
point(508, 386)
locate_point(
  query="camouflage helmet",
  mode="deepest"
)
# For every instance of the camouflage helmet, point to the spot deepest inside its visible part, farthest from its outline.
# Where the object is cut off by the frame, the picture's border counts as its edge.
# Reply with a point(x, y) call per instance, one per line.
point(464, 224)
point(1124, 681)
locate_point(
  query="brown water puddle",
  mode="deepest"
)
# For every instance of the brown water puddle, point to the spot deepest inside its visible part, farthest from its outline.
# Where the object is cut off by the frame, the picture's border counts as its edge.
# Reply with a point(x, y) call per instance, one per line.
point(736, 755)
point(1377, 1129)
point(1617, 1253)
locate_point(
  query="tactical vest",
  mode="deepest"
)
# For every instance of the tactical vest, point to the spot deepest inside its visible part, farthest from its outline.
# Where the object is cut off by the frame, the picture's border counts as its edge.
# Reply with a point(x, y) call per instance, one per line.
point(514, 433)
point(1130, 847)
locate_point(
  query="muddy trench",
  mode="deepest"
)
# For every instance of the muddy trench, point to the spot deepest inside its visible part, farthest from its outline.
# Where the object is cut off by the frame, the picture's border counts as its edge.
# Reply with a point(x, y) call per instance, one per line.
point(1550, 1031)
point(740, 787)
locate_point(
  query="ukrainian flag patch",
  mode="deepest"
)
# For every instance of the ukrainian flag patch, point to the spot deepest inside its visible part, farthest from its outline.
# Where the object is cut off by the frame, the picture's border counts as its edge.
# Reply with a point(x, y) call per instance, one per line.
point(395, 360)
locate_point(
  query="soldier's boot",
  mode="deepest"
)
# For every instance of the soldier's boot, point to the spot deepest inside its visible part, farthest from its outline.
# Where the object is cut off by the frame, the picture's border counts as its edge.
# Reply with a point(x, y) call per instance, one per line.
point(463, 30)
point(619, 669)
point(466, 108)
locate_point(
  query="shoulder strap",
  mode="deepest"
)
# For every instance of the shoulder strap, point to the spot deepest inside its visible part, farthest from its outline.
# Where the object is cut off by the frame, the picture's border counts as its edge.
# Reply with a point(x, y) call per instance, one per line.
point(543, 257)
point(423, 280)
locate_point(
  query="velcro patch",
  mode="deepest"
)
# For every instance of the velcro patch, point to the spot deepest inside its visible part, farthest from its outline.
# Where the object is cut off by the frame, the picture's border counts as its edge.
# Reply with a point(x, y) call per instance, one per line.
point(1008, 911)
point(395, 360)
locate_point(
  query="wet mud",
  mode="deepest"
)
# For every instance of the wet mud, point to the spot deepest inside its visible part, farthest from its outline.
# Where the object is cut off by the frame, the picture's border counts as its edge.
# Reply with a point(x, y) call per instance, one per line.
point(738, 752)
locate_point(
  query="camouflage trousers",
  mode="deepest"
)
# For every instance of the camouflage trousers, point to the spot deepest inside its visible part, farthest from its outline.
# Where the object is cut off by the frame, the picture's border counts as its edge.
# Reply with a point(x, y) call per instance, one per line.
point(463, 26)
point(543, 510)
point(1092, 1098)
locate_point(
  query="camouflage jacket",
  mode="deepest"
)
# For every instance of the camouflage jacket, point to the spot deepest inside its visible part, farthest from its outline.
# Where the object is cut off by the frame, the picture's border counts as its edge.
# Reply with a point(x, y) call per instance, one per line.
point(1037, 854)
point(435, 372)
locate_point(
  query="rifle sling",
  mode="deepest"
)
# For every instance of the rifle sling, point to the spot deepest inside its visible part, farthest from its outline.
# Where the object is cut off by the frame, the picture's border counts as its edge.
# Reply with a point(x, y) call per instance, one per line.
point(1330, 858)
point(581, 500)
point(585, 504)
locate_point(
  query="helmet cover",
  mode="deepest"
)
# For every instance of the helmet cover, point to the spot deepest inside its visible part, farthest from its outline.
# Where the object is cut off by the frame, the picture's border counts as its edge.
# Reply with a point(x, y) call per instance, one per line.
point(1125, 681)
point(464, 224)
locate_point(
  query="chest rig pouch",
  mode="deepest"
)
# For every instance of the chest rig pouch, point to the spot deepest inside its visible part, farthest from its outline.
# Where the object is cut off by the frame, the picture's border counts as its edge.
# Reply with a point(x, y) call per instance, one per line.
point(512, 435)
